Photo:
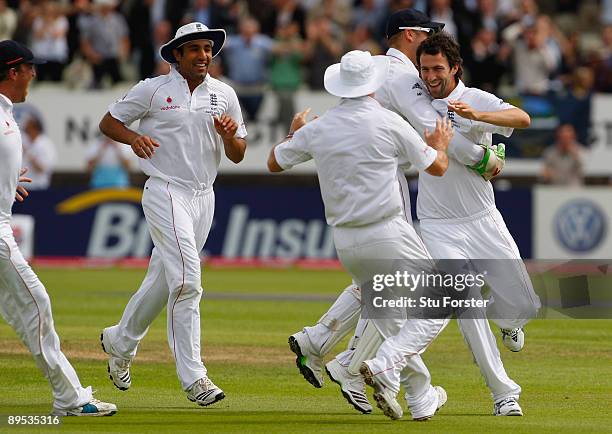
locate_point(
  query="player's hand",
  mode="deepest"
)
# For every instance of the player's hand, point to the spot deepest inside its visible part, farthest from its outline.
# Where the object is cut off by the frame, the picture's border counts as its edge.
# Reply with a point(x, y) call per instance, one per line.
point(299, 120)
point(144, 146)
point(463, 109)
point(441, 136)
point(22, 193)
point(225, 126)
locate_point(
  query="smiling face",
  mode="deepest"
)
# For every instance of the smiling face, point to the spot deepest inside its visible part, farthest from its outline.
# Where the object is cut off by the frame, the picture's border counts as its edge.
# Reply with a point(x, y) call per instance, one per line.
point(193, 58)
point(437, 75)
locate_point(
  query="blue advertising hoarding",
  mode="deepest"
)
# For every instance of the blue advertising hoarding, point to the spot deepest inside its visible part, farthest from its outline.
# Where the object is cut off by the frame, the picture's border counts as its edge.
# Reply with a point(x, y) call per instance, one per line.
point(250, 222)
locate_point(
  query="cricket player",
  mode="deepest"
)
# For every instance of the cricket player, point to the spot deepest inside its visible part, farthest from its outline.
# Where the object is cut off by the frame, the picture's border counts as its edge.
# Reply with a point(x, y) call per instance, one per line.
point(357, 147)
point(406, 29)
point(187, 119)
point(24, 302)
point(459, 221)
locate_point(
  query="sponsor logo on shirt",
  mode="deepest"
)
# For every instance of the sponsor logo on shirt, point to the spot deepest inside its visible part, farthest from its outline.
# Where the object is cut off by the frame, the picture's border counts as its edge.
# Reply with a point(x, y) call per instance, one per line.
point(171, 107)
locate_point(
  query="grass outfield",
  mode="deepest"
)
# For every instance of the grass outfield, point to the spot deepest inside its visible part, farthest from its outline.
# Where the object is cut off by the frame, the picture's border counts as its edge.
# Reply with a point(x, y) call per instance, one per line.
point(565, 369)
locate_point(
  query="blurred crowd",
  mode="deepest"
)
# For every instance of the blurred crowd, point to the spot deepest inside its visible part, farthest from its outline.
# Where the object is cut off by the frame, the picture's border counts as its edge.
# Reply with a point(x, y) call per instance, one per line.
point(551, 56)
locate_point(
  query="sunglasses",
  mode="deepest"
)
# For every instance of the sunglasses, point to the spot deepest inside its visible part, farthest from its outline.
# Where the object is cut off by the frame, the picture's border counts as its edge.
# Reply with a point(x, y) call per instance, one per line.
point(420, 29)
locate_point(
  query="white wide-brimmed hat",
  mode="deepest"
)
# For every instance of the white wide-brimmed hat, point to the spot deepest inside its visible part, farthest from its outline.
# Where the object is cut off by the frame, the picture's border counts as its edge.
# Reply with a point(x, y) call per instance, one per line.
point(192, 32)
point(358, 74)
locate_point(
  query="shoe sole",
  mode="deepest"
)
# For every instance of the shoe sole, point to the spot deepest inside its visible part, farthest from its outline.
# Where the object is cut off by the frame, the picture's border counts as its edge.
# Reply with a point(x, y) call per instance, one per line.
point(346, 395)
point(218, 398)
point(304, 370)
point(102, 413)
point(123, 389)
point(381, 402)
point(512, 413)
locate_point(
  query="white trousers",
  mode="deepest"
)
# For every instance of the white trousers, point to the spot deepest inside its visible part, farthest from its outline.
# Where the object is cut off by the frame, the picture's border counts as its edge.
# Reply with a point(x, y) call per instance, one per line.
point(25, 305)
point(486, 239)
point(362, 251)
point(486, 236)
point(179, 222)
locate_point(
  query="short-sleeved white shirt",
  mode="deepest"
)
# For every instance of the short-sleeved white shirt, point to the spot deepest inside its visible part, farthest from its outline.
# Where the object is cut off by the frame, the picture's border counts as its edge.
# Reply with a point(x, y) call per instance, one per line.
point(461, 193)
point(357, 147)
point(182, 123)
point(10, 162)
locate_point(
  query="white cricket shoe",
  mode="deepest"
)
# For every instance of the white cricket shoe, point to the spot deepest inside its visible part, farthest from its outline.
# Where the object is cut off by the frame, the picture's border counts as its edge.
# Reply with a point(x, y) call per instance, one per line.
point(118, 368)
point(204, 392)
point(95, 407)
point(507, 407)
point(513, 339)
point(352, 386)
point(308, 362)
point(385, 398)
point(442, 398)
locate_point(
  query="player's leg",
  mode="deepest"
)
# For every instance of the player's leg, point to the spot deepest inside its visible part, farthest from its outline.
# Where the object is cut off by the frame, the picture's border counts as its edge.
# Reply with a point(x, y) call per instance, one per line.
point(312, 344)
point(394, 356)
point(514, 301)
point(449, 242)
point(121, 341)
point(26, 306)
point(395, 241)
point(172, 214)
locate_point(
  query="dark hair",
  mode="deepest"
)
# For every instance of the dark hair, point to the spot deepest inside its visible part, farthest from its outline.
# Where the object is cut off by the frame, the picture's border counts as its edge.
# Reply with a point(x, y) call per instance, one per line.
point(443, 43)
point(4, 73)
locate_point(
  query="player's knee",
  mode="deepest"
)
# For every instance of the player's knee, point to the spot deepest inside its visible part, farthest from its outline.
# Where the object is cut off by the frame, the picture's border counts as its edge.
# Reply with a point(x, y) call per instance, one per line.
point(189, 286)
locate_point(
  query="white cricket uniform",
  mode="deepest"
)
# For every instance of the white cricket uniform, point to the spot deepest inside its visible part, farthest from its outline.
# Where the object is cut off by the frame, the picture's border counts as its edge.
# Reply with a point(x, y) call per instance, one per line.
point(24, 302)
point(178, 203)
point(459, 221)
point(357, 147)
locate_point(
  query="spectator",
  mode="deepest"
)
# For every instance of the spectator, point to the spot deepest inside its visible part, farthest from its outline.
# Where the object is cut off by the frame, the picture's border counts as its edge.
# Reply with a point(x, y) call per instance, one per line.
point(486, 61)
point(200, 11)
point(38, 153)
point(338, 12)
point(370, 14)
point(8, 21)
point(108, 162)
point(323, 48)
point(440, 11)
point(603, 63)
point(162, 33)
point(285, 72)
point(563, 161)
point(49, 41)
point(573, 104)
point(361, 39)
point(104, 42)
point(246, 56)
point(534, 61)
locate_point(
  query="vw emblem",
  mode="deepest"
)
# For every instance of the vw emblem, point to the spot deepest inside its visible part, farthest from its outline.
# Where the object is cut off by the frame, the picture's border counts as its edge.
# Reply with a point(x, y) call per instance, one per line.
point(580, 225)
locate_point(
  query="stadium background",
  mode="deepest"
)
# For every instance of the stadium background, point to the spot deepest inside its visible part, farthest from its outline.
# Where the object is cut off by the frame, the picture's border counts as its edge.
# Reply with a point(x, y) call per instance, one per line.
point(265, 222)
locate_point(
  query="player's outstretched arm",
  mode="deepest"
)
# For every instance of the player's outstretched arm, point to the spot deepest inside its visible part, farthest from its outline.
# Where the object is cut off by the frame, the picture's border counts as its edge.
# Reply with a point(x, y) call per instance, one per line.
point(143, 146)
point(293, 154)
point(512, 117)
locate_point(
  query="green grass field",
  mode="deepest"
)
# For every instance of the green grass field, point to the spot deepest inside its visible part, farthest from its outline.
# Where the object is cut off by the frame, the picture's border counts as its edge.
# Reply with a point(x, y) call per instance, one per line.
point(565, 369)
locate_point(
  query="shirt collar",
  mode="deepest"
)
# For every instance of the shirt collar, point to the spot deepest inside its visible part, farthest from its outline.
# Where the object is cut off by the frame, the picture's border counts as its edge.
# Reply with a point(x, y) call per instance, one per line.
point(6, 102)
point(360, 99)
point(456, 93)
point(397, 54)
point(175, 74)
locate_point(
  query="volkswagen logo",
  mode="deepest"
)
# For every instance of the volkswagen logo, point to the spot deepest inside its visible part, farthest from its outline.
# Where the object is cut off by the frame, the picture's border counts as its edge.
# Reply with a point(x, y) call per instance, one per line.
point(580, 225)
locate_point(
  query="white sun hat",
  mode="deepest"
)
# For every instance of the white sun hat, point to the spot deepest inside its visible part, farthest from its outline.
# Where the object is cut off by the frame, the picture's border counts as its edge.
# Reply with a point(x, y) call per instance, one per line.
point(358, 74)
point(191, 32)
